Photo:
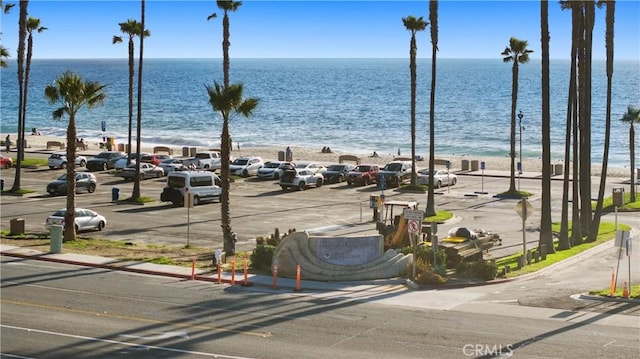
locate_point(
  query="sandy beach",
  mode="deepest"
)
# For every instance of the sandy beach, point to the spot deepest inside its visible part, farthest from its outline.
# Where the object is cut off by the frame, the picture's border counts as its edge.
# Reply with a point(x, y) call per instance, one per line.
point(39, 143)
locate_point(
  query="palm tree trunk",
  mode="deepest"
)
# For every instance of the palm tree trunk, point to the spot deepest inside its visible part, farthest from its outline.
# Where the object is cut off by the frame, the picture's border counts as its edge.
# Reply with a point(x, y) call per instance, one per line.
point(595, 224)
point(433, 19)
point(225, 198)
point(136, 183)
point(69, 218)
point(131, 77)
point(632, 153)
point(546, 237)
point(412, 68)
point(22, 36)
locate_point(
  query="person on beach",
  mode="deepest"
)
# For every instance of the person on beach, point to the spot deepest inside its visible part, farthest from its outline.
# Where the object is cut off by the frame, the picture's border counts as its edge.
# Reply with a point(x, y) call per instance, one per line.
point(288, 154)
point(35, 132)
point(7, 142)
point(375, 154)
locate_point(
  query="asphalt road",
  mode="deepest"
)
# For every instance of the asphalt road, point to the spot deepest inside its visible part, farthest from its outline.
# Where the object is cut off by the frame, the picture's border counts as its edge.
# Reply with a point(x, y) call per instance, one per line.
point(52, 311)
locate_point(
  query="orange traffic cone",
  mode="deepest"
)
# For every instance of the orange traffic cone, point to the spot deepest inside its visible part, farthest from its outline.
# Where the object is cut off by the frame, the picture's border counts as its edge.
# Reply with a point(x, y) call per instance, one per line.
point(625, 291)
point(612, 289)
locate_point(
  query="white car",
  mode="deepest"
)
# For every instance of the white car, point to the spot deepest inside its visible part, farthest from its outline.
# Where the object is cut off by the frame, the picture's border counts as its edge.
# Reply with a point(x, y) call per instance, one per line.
point(59, 160)
point(122, 163)
point(85, 219)
point(270, 170)
point(300, 179)
point(441, 178)
point(246, 166)
point(171, 165)
point(312, 166)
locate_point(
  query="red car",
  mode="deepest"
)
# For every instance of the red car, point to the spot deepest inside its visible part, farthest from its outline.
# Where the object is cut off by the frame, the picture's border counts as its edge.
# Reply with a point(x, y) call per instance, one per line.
point(363, 175)
point(154, 159)
point(5, 162)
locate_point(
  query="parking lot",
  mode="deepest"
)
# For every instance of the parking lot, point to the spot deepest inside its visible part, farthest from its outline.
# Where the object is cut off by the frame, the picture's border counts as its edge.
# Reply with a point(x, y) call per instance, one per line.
point(260, 206)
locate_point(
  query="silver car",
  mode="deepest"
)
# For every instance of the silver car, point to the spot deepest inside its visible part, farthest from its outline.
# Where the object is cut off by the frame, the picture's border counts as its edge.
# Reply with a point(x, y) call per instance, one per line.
point(441, 177)
point(85, 219)
point(59, 160)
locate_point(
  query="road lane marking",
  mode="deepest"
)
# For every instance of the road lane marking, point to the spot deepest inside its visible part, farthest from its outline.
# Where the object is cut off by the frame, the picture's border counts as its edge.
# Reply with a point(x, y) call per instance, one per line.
point(135, 345)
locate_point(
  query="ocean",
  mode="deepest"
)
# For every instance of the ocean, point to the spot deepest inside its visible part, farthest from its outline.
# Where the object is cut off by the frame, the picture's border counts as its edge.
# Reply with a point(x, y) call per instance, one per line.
point(351, 105)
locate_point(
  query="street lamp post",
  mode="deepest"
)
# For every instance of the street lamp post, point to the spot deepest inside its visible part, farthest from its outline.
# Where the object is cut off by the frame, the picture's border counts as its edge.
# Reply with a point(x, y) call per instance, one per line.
point(520, 116)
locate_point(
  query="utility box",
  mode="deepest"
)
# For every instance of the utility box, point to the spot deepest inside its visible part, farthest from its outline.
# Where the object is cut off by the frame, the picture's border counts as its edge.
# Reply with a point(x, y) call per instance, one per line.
point(115, 194)
point(280, 155)
point(16, 226)
point(618, 196)
point(56, 239)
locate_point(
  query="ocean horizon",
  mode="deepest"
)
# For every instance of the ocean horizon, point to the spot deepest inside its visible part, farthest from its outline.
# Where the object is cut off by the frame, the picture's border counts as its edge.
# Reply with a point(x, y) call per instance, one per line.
point(351, 105)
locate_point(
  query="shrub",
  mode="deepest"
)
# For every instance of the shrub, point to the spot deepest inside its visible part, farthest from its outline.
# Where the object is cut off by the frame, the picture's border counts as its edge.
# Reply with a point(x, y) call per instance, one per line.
point(485, 270)
point(262, 256)
point(425, 253)
point(426, 275)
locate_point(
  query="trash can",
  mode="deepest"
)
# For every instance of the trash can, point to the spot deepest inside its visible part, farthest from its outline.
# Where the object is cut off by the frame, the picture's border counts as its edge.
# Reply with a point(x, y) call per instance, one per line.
point(56, 239)
point(185, 151)
point(474, 165)
point(115, 194)
point(16, 226)
point(465, 165)
point(193, 151)
point(111, 143)
point(280, 155)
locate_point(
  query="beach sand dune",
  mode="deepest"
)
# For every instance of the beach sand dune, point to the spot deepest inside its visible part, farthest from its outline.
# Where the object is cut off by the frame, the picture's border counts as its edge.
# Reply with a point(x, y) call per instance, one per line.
point(39, 143)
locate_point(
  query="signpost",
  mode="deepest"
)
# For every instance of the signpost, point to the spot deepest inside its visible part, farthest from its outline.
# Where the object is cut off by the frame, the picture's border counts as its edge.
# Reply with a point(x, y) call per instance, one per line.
point(414, 219)
point(188, 202)
point(524, 209)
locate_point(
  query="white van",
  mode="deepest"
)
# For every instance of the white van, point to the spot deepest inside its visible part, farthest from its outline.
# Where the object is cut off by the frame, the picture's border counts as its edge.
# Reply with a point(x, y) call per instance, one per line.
point(204, 186)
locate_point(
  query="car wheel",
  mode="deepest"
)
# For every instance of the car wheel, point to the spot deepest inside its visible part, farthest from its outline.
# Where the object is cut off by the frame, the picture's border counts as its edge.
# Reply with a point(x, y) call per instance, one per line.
point(196, 200)
point(100, 225)
point(158, 174)
point(105, 166)
point(319, 182)
point(63, 165)
point(92, 188)
point(245, 173)
point(438, 184)
point(276, 176)
point(349, 183)
point(284, 188)
point(453, 182)
point(365, 182)
point(301, 186)
point(77, 229)
point(50, 167)
point(83, 163)
point(52, 194)
point(340, 179)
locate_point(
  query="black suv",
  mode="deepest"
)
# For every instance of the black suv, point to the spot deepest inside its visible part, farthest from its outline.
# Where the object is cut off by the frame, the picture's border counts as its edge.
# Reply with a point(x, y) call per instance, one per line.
point(104, 160)
point(394, 174)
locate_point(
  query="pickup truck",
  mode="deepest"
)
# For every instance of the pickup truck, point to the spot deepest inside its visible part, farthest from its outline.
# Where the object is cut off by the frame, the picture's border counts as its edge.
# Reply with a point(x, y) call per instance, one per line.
point(207, 160)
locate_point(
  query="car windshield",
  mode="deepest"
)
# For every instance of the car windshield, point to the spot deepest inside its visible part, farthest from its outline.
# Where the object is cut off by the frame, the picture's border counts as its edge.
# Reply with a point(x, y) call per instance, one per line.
point(240, 161)
point(271, 165)
point(62, 177)
point(336, 168)
point(103, 155)
point(424, 171)
point(170, 161)
point(394, 167)
point(302, 164)
point(362, 169)
point(59, 213)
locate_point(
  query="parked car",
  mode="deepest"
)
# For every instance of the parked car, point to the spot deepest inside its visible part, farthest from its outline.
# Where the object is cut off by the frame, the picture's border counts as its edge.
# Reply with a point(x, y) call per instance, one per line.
point(246, 166)
point(270, 170)
point(393, 174)
point(312, 166)
point(122, 162)
point(154, 159)
point(59, 160)
point(300, 179)
point(171, 164)
point(208, 160)
point(363, 174)
point(105, 160)
point(441, 177)
point(337, 173)
point(203, 185)
point(147, 170)
point(85, 181)
point(5, 162)
point(85, 219)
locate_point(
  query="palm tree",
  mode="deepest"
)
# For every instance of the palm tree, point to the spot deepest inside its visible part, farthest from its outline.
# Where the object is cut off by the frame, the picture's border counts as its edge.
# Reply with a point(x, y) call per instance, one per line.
point(610, 19)
point(72, 93)
point(33, 24)
point(136, 183)
point(546, 235)
point(225, 146)
point(229, 103)
point(413, 25)
point(433, 18)
point(517, 53)
point(563, 240)
point(22, 37)
point(632, 116)
point(132, 28)
point(4, 52)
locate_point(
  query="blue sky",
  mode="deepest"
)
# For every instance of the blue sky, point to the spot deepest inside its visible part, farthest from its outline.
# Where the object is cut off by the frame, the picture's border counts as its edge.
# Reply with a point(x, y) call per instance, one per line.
point(311, 29)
